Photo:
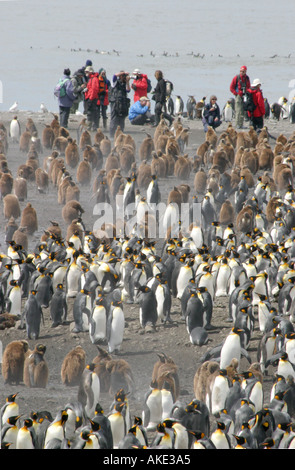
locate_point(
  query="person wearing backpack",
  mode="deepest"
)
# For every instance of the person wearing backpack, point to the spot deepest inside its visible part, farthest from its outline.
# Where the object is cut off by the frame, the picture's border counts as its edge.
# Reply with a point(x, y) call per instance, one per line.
point(64, 91)
point(159, 96)
point(139, 85)
point(91, 97)
point(239, 85)
point(257, 115)
point(119, 101)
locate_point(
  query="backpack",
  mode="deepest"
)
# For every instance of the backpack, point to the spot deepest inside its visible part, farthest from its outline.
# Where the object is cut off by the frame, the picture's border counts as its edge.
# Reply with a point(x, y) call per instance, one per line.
point(60, 89)
point(149, 85)
point(169, 87)
point(249, 103)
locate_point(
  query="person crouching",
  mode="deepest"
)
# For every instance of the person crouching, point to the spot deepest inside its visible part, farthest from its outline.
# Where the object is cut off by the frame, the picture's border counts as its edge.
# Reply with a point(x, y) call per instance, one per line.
point(211, 114)
point(139, 112)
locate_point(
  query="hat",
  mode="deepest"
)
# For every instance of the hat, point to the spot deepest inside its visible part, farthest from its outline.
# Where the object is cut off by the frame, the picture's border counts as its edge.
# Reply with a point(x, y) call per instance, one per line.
point(67, 72)
point(136, 72)
point(243, 67)
point(213, 97)
point(88, 63)
point(256, 82)
point(144, 98)
point(101, 71)
point(89, 69)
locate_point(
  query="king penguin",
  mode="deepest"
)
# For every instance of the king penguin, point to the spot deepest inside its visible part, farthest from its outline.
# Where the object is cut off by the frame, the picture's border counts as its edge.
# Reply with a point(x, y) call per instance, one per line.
point(10, 408)
point(14, 298)
point(152, 408)
point(164, 301)
point(31, 316)
point(10, 430)
point(147, 307)
point(115, 327)
point(98, 322)
point(15, 129)
point(26, 436)
point(220, 438)
point(58, 306)
point(220, 389)
point(118, 424)
point(89, 390)
point(232, 349)
point(56, 429)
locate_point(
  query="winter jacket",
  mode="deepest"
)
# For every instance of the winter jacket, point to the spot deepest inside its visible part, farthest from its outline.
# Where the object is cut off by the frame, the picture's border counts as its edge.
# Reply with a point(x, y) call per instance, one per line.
point(67, 100)
point(160, 92)
point(78, 81)
point(240, 84)
point(103, 91)
point(140, 87)
point(136, 109)
point(92, 87)
point(215, 113)
point(258, 101)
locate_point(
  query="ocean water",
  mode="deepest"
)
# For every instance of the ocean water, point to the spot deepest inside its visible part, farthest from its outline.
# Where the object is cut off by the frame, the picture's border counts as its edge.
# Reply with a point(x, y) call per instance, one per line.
point(198, 45)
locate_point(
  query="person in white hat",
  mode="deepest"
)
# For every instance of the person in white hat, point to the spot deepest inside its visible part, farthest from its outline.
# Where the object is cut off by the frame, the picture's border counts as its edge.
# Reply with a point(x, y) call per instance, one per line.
point(139, 112)
point(256, 116)
point(139, 85)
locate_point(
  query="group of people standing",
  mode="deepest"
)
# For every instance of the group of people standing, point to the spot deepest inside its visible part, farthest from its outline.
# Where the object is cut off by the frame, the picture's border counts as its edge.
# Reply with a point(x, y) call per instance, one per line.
point(241, 87)
point(97, 93)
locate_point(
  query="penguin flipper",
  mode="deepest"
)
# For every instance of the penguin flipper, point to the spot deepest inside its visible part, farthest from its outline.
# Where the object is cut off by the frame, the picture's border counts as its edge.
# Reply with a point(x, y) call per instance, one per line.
point(213, 353)
point(246, 355)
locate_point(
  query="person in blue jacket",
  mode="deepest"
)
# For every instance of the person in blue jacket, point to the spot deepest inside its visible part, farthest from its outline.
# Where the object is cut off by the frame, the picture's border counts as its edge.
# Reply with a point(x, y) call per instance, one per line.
point(139, 112)
point(67, 99)
point(211, 114)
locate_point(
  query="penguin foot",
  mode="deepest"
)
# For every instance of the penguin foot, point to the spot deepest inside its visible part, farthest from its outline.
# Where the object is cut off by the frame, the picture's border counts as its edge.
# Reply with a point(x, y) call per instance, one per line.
point(169, 320)
point(209, 327)
point(55, 324)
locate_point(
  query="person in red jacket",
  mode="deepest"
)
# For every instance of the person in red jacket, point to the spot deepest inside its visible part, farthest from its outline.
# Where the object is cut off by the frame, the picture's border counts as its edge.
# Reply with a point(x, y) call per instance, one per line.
point(257, 116)
point(103, 96)
point(239, 85)
point(139, 85)
point(91, 97)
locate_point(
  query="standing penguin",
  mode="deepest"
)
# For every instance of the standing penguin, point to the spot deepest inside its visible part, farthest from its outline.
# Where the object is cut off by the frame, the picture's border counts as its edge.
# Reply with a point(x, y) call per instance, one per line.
point(45, 290)
point(81, 312)
point(118, 424)
point(9, 431)
point(147, 307)
point(179, 106)
point(15, 129)
point(10, 408)
point(13, 361)
point(58, 306)
point(194, 312)
point(232, 349)
point(73, 366)
point(152, 408)
point(98, 322)
point(163, 297)
point(26, 436)
point(220, 438)
point(153, 194)
point(89, 390)
point(115, 327)
point(14, 298)
point(186, 273)
point(36, 368)
point(31, 316)
point(220, 389)
point(56, 429)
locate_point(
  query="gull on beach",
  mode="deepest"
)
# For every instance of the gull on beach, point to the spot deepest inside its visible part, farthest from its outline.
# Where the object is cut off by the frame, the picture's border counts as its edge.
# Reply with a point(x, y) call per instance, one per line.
point(43, 108)
point(14, 107)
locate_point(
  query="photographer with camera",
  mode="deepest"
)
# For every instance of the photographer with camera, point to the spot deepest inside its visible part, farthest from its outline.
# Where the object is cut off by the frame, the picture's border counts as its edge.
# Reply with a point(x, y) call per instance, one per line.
point(119, 101)
point(239, 85)
point(139, 85)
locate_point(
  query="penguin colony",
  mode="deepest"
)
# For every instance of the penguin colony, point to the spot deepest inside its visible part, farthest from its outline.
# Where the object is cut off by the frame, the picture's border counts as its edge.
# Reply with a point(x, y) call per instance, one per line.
point(241, 249)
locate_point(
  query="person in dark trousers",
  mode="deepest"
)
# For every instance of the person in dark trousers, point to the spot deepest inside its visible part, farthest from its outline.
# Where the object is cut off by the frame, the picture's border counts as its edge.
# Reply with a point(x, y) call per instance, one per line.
point(91, 96)
point(239, 85)
point(67, 99)
point(103, 96)
point(211, 114)
point(257, 116)
point(119, 101)
point(159, 96)
point(140, 113)
point(79, 85)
